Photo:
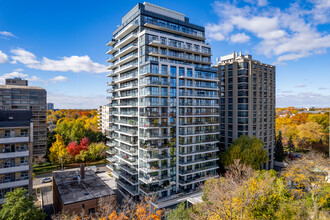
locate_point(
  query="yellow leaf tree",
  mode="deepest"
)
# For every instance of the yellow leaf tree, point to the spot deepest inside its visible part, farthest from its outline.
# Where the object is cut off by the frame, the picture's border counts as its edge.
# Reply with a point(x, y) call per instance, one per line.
point(58, 151)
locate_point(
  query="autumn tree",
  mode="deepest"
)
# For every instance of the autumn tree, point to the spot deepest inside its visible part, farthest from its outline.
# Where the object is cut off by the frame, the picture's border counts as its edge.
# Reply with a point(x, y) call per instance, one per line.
point(74, 149)
point(279, 151)
point(308, 177)
point(140, 211)
point(248, 150)
point(58, 151)
point(310, 132)
point(241, 194)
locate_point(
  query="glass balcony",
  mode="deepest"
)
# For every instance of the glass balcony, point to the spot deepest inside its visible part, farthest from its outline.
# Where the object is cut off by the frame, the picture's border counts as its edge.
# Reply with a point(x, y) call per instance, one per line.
point(174, 28)
point(182, 47)
point(202, 159)
point(190, 171)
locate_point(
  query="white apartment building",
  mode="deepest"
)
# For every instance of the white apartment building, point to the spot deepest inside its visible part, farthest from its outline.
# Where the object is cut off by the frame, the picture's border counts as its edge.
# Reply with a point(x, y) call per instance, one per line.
point(164, 105)
point(104, 119)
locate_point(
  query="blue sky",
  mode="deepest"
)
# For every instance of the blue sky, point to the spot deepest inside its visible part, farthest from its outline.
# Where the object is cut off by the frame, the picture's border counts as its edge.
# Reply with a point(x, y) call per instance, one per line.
point(60, 45)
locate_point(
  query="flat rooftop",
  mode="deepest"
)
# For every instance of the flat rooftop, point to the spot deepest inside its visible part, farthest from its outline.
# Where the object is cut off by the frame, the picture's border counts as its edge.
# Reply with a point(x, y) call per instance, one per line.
point(74, 190)
point(20, 87)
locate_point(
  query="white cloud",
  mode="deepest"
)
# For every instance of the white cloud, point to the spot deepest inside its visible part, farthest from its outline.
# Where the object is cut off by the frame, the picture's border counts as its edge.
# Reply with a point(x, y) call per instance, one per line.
point(59, 79)
point(258, 2)
point(11, 75)
point(300, 86)
point(6, 34)
point(63, 101)
point(36, 79)
point(287, 34)
point(292, 56)
point(65, 64)
point(20, 75)
point(301, 99)
point(3, 57)
point(23, 56)
point(262, 2)
point(240, 38)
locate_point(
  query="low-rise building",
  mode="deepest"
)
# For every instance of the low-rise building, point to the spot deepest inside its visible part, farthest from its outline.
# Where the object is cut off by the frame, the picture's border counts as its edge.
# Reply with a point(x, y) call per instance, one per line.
point(16, 144)
point(77, 191)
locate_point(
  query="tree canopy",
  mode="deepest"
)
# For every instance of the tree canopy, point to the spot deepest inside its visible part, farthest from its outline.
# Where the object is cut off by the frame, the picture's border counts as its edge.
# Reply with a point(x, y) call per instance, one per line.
point(300, 192)
point(19, 205)
point(307, 131)
point(248, 150)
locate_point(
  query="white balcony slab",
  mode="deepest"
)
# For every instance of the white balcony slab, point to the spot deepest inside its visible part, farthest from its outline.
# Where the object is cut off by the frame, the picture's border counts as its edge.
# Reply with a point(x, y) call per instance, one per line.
point(14, 184)
point(14, 140)
point(14, 154)
point(14, 169)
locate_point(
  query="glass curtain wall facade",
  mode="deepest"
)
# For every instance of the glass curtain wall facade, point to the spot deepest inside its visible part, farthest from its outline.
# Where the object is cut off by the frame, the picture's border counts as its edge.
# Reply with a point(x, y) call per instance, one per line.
point(164, 104)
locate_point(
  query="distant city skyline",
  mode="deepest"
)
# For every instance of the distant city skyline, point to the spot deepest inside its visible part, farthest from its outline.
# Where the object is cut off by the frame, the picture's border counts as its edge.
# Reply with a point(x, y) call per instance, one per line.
point(63, 49)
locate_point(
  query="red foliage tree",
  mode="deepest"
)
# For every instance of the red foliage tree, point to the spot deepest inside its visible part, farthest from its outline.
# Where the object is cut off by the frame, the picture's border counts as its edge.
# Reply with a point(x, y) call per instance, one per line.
point(84, 143)
point(74, 149)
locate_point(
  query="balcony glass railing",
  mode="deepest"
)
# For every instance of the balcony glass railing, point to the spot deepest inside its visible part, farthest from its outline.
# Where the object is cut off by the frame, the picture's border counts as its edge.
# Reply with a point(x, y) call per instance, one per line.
point(174, 27)
point(198, 169)
point(127, 36)
point(187, 142)
point(127, 46)
point(198, 104)
point(205, 131)
point(200, 150)
point(182, 46)
point(152, 93)
point(199, 122)
point(153, 82)
point(182, 162)
point(182, 56)
point(199, 94)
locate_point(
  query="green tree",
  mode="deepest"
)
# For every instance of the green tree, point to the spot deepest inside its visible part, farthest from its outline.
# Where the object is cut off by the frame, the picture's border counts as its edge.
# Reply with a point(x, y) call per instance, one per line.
point(279, 151)
point(95, 136)
point(19, 205)
point(291, 146)
point(249, 151)
point(96, 151)
point(78, 131)
point(180, 213)
point(83, 156)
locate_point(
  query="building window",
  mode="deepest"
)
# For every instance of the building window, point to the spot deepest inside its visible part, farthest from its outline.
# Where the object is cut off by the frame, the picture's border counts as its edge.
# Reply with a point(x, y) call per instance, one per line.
point(181, 71)
point(173, 71)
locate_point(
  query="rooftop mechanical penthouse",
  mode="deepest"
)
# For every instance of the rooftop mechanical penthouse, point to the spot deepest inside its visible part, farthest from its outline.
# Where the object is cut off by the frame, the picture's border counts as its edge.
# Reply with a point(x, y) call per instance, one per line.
point(164, 105)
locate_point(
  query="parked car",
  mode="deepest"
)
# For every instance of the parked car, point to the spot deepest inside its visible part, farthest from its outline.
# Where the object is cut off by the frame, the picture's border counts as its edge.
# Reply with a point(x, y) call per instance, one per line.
point(46, 180)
